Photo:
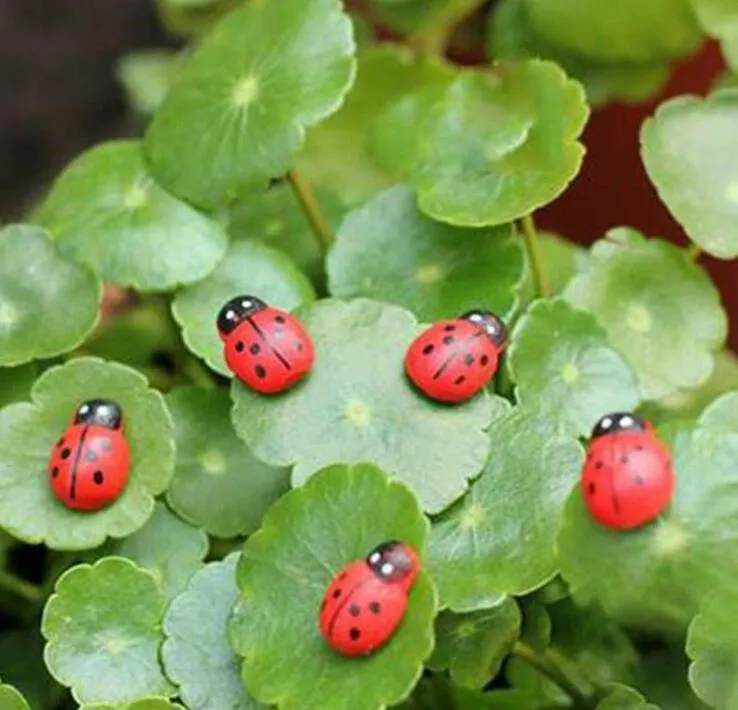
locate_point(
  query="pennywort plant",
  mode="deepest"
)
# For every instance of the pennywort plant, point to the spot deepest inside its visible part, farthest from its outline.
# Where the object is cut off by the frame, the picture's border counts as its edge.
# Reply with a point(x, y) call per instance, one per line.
point(371, 188)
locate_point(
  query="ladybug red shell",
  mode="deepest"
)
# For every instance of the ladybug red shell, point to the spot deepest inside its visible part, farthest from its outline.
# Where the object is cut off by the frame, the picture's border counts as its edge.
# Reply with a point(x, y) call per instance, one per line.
point(266, 348)
point(90, 463)
point(627, 479)
point(366, 600)
point(454, 359)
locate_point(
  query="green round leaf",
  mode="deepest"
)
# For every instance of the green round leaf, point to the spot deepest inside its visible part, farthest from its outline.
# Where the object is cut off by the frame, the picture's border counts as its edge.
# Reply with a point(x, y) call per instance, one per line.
point(168, 548)
point(477, 552)
point(11, 699)
point(390, 251)
point(145, 704)
point(103, 632)
point(687, 148)
point(248, 267)
point(338, 153)
point(473, 646)
point(712, 644)
point(218, 484)
point(508, 138)
point(266, 72)
point(621, 697)
point(28, 432)
point(47, 304)
point(16, 383)
point(146, 76)
point(196, 654)
point(306, 538)
point(358, 404)
point(106, 211)
point(719, 18)
point(627, 30)
point(561, 362)
point(510, 36)
point(660, 309)
point(276, 218)
point(657, 575)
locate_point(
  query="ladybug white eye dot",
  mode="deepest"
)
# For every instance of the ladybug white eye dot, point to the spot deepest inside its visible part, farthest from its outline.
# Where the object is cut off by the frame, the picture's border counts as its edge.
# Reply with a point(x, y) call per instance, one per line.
point(246, 304)
point(374, 557)
point(606, 423)
point(626, 421)
point(84, 409)
point(476, 318)
point(387, 568)
point(230, 315)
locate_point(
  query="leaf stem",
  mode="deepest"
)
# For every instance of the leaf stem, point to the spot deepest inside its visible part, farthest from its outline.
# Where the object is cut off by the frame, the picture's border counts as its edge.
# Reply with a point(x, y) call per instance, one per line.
point(550, 664)
point(311, 208)
point(432, 36)
point(21, 588)
point(535, 259)
point(693, 251)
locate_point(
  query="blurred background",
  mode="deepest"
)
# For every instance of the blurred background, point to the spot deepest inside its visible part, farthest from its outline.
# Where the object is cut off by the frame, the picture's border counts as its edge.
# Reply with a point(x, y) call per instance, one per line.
point(59, 94)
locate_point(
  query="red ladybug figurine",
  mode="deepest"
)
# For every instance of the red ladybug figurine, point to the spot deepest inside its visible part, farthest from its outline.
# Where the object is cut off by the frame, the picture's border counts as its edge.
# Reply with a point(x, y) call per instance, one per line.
point(366, 600)
point(90, 463)
point(264, 347)
point(627, 479)
point(452, 360)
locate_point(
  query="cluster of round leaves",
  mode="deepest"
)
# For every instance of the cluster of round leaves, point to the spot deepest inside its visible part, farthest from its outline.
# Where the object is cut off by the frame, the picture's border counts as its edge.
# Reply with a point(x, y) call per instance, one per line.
point(486, 491)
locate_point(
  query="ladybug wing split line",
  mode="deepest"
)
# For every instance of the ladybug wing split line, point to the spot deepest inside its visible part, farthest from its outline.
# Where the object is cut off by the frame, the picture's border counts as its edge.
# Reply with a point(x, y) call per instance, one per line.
point(268, 343)
point(75, 463)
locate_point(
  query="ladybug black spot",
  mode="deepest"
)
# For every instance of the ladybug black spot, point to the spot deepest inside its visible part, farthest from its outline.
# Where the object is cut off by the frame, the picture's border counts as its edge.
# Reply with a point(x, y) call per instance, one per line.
point(623, 459)
point(427, 350)
point(484, 360)
point(599, 464)
point(322, 605)
point(60, 442)
point(54, 472)
point(260, 372)
point(468, 359)
point(90, 455)
point(449, 328)
point(298, 345)
point(98, 477)
point(354, 633)
point(375, 607)
point(591, 488)
point(279, 319)
point(639, 447)
point(240, 346)
point(66, 453)
point(354, 609)
point(342, 576)
point(448, 339)
point(255, 349)
point(459, 379)
point(336, 593)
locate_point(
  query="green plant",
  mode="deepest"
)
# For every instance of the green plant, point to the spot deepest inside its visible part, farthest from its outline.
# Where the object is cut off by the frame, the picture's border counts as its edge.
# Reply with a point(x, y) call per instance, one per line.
point(372, 188)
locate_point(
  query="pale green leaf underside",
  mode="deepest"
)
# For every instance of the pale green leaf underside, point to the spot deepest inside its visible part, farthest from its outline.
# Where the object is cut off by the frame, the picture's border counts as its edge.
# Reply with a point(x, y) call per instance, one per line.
point(358, 405)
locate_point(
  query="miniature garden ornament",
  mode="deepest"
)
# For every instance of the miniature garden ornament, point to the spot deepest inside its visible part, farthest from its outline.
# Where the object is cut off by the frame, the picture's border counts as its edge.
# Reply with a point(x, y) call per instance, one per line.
point(266, 348)
point(627, 479)
point(366, 600)
point(91, 462)
point(454, 359)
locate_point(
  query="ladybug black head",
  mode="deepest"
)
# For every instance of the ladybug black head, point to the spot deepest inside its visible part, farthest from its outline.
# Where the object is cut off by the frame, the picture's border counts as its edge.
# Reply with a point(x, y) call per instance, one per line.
point(99, 412)
point(492, 326)
point(392, 561)
point(618, 422)
point(236, 310)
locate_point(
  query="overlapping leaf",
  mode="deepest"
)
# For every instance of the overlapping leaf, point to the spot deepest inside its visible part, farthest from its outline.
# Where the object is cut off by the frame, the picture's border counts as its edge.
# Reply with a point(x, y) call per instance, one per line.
point(659, 574)
point(146, 76)
point(265, 72)
point(511, 36)
point(196, 654)
point(719, 18)
point(11, 699)
point(102, 654)
point(687, 148)
point(145, 704)
point(28, 432)
point(660, 310)
point(435, 270)
point(168, 548)
point(628, 30)
point(561, 362)
point(106, 211)
point(359, 406)
point(473, 646)
point(621, 697)
point(249, 267)
point(218, 484)
point(500, 538)
point(306, 538)
point(338, 154)
point(489, 147)
point(47, 304)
